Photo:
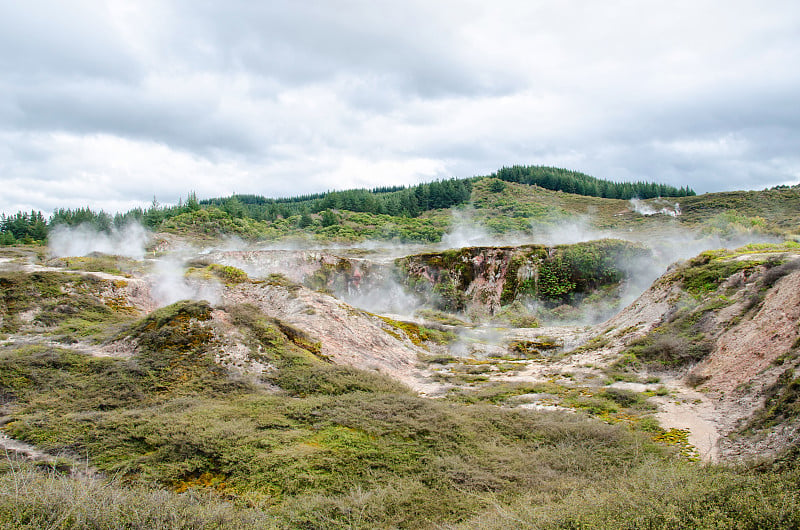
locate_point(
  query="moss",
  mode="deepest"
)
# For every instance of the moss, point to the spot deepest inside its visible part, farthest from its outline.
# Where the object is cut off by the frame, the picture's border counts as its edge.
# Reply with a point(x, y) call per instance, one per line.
point(225, 273)
point(417, 334)
point(530, 349)
point(680, 439)
point(438, 358)
point(71, 306)
point(279, 280)
point(441, 317)
point(704, 274)
point(782, 403)
point(299, 337)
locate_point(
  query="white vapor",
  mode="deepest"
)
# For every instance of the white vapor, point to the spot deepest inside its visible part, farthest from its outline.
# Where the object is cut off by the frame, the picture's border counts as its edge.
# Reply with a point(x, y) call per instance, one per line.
point(169, 284)
point(129, 241)
point(643, 208)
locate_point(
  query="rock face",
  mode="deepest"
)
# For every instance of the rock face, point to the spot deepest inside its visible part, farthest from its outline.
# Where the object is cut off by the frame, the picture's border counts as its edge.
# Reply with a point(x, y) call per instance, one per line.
point(470, 278)
point(749, 346)
point(479, 281)
point(483, 279)
point(342, 333)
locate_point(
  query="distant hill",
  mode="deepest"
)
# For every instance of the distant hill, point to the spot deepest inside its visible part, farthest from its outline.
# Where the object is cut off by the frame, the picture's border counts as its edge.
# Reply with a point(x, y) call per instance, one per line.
point(518, 199)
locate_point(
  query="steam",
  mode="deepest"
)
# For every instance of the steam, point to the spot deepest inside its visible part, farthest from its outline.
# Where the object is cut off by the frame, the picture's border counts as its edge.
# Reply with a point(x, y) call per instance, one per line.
point(169, 284)
point(386, 296)
point(167, 280)
point(668, 208)
point(465, 232)
point(82, 240)
point(372, 285)
point(576, 230)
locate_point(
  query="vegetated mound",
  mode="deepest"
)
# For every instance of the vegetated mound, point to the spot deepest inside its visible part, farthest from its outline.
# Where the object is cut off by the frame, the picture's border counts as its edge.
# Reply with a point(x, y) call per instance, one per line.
point(726, 322)
point(482, 280)
point(67, 307)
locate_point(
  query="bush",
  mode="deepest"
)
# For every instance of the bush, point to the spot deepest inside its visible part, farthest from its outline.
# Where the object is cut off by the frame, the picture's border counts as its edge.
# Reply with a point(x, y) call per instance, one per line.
point(776, 273)
point(667, 349)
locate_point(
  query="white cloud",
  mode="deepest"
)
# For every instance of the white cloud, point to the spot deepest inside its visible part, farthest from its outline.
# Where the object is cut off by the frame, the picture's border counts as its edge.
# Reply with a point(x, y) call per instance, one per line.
point(109, 103)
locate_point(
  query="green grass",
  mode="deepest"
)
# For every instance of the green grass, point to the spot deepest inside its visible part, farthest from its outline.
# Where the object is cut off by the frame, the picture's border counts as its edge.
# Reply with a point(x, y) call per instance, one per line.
point(172, 417)
point(704, 273)
point(661, 496)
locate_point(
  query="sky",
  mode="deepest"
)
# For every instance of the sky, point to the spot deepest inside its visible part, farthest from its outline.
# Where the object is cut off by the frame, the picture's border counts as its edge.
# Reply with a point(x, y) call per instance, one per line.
point(110, 104)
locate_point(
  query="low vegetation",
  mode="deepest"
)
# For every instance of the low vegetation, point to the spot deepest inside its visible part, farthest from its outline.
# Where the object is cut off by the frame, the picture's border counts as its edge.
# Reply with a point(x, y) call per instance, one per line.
point(68, 307)
point(302, 444)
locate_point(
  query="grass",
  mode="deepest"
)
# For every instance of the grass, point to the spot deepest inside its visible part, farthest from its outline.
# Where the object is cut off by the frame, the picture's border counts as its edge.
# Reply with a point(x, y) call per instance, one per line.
point(652, 494)
point(704, 273)
point(658, 496)
point(782, 404)
point(34, 499)
point(663, 349)
point(304, 453)
point(97, 262)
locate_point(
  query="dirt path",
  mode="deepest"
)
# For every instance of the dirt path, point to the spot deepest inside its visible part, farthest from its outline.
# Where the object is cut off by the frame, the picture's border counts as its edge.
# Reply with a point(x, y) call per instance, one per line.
point(17, 449)
point(685, 408)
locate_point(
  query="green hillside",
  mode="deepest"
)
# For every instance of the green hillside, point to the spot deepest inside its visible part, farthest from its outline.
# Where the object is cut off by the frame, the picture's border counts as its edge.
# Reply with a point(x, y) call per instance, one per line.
point(513, 200)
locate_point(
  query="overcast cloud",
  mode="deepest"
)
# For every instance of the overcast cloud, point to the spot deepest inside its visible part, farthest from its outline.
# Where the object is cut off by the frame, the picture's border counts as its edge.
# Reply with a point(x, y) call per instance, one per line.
point(109, 103)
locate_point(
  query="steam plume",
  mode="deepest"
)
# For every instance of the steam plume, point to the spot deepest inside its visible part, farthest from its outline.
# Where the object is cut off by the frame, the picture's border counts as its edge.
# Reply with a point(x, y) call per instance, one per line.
point(81, 240)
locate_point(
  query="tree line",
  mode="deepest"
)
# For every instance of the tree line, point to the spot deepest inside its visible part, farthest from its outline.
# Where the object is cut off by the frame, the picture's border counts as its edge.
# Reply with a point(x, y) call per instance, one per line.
point(395, 201)
point(398, 201)
point(33, 227)
point(22, 227)
point(568, 181)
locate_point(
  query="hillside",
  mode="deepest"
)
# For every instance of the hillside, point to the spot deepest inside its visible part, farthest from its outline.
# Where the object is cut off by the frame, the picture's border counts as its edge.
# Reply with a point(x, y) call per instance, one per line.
point(513, 210)
point(296, 400)
point(505, 204)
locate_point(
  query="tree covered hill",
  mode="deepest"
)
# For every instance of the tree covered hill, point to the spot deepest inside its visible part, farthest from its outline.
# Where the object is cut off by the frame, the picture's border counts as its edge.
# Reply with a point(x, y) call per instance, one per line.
point(513, 199)
point(558, 179)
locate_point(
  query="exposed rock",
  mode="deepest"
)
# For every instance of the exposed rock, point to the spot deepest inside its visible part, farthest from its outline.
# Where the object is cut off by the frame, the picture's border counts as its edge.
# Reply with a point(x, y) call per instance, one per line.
point(346, 335)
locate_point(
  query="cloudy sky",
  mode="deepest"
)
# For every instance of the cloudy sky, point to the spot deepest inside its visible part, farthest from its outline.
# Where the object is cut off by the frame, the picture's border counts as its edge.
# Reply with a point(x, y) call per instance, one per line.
point(109, 103)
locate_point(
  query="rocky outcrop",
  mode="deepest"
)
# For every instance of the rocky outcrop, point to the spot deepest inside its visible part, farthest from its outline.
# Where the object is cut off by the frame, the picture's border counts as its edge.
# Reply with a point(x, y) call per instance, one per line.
point(338, 331)
point(483, 279)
